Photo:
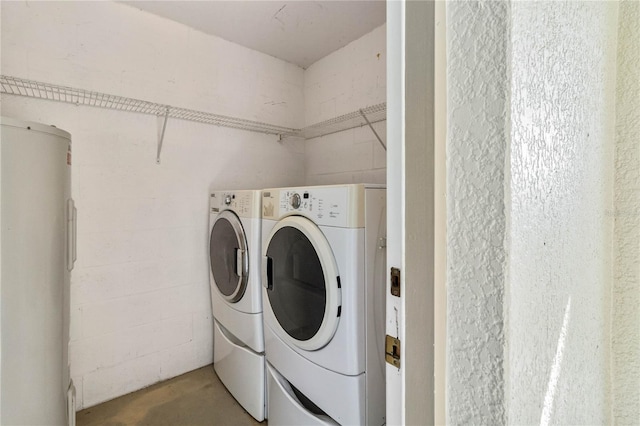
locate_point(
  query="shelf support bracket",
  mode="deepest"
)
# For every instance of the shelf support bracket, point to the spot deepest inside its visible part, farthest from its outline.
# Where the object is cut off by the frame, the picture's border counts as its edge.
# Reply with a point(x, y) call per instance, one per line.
point(372, 129)
point(161, 137)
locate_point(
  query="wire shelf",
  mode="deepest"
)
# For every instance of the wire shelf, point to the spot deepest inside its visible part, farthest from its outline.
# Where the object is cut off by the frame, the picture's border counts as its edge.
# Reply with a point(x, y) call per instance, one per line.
point(375, 114)
point(36, 89)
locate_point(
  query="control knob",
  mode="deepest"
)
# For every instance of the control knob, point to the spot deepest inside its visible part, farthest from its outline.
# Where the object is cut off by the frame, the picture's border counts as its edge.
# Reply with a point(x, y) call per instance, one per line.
point(295, 200)
point(227, 200)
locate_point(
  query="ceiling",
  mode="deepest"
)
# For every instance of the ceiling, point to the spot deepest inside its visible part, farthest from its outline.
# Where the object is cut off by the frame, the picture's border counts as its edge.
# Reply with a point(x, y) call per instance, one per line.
point(300, 32)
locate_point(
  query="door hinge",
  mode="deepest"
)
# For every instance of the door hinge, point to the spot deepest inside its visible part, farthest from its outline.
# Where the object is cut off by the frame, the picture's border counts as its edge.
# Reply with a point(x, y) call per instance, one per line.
point(395, 282)
point(392, 351)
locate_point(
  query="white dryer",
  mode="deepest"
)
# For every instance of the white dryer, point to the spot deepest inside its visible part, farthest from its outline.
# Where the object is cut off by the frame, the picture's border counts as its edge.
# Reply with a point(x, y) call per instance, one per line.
point(323, 293)
point(236, 299)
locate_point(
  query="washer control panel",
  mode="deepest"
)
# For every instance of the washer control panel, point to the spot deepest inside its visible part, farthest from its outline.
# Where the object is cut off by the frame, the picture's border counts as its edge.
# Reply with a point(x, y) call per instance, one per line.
point(331, 205)
point(243, 203)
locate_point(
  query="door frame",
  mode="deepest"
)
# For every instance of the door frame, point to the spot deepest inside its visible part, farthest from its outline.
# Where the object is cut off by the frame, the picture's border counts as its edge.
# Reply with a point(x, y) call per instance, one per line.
point(416, 224)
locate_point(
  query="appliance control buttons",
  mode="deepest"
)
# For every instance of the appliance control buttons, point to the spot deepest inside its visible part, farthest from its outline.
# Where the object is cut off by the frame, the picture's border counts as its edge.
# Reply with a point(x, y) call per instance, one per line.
point(227, 200)
point(295, 200)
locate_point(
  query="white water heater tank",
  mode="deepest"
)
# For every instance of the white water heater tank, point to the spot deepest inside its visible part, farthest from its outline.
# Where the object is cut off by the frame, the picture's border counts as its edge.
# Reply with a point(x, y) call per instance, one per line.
point(37, 230)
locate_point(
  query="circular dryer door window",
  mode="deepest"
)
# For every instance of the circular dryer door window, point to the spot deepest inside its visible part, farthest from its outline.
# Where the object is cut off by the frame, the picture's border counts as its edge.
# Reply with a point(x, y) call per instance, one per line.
point(303, 286)
point(228, 256)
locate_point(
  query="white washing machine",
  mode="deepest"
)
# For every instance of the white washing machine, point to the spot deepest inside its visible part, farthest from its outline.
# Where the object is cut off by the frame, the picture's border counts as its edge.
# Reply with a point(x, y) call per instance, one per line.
point(236, 297)
point(323, 293)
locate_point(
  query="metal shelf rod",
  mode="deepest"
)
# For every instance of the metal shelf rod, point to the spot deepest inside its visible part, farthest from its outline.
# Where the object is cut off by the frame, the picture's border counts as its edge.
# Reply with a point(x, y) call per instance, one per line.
point(372, 129)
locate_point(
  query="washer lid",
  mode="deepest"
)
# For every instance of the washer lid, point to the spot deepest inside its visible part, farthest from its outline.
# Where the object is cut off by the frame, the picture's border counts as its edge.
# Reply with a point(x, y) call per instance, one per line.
point(229, 256)
point(302, 282)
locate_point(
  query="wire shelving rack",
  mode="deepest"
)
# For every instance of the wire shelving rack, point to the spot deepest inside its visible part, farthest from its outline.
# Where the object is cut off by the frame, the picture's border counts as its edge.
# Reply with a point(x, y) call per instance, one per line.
point(36, 89)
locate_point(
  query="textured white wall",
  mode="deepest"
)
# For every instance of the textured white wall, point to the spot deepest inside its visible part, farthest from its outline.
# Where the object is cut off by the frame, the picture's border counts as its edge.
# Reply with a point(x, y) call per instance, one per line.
point(531, 110)
point(344, 81)
point(562, 114)
point(477, 133)
point(626, 291)
point(140, 295)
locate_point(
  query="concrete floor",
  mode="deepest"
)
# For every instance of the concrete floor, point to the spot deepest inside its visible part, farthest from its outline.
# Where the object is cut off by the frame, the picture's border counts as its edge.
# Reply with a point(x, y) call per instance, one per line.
point(195, 398)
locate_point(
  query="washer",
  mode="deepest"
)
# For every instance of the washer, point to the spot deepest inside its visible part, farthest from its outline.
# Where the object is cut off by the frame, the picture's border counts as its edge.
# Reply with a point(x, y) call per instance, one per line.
point(323, 292)
point(236, 299)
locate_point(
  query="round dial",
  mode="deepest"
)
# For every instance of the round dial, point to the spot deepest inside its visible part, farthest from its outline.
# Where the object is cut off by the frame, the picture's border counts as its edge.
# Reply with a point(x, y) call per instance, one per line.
point(295, 200)
point(227, 200)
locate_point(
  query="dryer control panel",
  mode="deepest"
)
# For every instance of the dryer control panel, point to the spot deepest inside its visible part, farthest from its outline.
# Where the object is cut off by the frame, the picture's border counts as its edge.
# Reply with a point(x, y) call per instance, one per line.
point(242, 203)
point(339, 205)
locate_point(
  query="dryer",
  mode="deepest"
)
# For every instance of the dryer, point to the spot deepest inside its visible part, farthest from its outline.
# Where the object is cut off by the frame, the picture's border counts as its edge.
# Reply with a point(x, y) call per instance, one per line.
point(323, 294)
point(236, 299)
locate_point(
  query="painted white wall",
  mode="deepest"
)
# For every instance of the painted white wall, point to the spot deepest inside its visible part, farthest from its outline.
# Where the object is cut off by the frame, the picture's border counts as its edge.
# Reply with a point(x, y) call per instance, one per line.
point(135, 54)
point(563, 71)
point(140, 294)
point(477, 134)
point(625, 326)
point(346, 80)
point(349, 78)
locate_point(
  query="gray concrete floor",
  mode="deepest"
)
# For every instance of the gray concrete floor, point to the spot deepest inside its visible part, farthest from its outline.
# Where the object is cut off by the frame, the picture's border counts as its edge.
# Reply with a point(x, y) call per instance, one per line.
point(195, 398)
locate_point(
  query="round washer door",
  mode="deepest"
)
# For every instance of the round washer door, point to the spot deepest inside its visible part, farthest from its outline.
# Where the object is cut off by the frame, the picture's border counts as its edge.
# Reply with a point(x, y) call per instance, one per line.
point(302, 282)
point(228, 256)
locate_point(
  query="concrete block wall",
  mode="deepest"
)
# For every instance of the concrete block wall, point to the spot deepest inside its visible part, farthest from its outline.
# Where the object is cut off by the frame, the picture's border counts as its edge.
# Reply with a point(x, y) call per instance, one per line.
point(344, 81)
point(139, 55)
point(140, 294)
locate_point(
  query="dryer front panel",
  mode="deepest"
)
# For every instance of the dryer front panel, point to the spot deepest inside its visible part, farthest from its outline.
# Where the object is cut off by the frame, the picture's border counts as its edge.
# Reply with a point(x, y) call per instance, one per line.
point(228, 255)
point(302, 283)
